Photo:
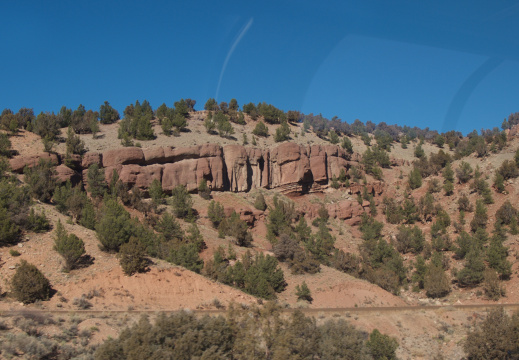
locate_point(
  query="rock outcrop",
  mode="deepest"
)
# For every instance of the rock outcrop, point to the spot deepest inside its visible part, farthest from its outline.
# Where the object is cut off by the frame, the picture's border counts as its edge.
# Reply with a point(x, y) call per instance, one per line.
point(289, 167)
point(18, 163)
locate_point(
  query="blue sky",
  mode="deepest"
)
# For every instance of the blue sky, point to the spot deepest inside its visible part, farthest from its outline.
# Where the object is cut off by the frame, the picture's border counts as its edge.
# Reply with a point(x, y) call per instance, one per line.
point(445, 66)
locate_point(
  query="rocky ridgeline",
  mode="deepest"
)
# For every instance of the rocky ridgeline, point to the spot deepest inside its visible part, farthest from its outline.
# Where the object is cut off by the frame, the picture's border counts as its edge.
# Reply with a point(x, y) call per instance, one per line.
point(289, 167)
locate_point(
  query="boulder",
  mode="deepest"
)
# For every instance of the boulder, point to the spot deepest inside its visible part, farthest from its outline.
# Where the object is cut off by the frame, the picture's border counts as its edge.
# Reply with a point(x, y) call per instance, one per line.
point(18, 163)
point(236, 162)
point(289, 165)
point(64, 173)
point(140, 176)
point(318, 164)
point(91, 158)
point(154, 156)
point(124, 156)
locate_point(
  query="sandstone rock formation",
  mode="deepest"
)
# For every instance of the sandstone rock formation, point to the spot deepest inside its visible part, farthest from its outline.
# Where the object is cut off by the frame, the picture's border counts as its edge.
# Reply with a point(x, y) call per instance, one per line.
point(289, 167)
point(18, 163)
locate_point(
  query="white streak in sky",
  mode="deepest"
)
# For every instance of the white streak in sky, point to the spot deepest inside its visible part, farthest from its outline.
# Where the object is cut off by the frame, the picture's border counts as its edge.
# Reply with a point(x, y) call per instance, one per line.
point(229, 54)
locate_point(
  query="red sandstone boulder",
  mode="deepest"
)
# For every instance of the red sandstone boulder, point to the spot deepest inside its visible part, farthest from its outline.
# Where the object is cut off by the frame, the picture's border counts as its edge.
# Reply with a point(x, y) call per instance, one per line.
point(18, 163)
point(91, 158)
point(64, 173)
point(140, 176)
point(124, 156)
point(154, 155)
point(235, 158)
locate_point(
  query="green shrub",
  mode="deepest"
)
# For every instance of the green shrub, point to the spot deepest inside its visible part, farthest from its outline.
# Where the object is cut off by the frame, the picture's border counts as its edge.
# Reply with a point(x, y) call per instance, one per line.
point(215, 213)
point(69, 246)
point(415, 179)
point(114, 227)
point(41, 180)
point(260, 203)
point(303, 292)
point(132, 257)
point(261, 129)
point(28, 284)
point(436, 283)
point(203, 190)
point(181, 201)
point(96, 180)
point(381, 346)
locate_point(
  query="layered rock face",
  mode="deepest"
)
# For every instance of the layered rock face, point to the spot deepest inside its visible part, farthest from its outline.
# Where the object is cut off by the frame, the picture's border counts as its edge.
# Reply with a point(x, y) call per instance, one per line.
point(289, 167)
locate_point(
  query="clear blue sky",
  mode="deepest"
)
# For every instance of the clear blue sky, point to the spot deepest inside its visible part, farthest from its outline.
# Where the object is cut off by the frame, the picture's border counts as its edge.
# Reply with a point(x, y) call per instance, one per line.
point(443, 65)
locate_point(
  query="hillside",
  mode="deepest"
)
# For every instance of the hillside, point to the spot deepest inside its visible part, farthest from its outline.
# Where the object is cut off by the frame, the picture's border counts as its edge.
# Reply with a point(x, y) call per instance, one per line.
point(357, 266)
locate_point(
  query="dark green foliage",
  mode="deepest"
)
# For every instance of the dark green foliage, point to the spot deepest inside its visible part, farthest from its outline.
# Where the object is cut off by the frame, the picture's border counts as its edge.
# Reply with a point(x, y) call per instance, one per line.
point(464, 172)
point(69, 246)
point(132, 257)
point(212, 105)
point(215, 213)
point(472, 273)
point(235, 227)
point(320, 245)
point(480, 216)
point(107, 114)
point(482, 188)
point(420, 271)
point(28, 284)
point(137, 122)
point(497, 255)
point(5, 145)
point(209, 124)
point(181, 201)
point(260, 203)
point(448, 173)
point(186, 255)
point(464, 243)
point(375, 156)
point(506, 213)
point(384, 140)
point(499, 182)
point(419, 152)
point(448, 187)
point(88, 216)
point(41, 180)
point(9, 231)
point(439, 141)
point(156, 192)
point(223, 125)
point(14, 210)
point(169, 227)
point(204, 190)
point(46, 125)
point(282, 132)
point(37, 223)
point(347, 145)
point(415, 179)
point(280, 218)
point(96, 180)
point(114, 227)
point(494, 338)
point(492, 285)
point(303, 292)
point(381, 346)
point(264, 335)
point(74, 144)
point(409, 239)
point(270, 113)
point(508, 170)
point(333, 137)
point(436, 283)
point(259, 276)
